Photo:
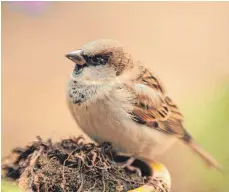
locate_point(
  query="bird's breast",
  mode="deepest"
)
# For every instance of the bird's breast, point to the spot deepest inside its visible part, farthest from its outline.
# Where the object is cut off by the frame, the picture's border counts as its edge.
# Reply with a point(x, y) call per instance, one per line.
point(105, 119)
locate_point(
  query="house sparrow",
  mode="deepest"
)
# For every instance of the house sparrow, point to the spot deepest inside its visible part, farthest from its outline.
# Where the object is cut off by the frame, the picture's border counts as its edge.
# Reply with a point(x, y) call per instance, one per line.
point(115, 99)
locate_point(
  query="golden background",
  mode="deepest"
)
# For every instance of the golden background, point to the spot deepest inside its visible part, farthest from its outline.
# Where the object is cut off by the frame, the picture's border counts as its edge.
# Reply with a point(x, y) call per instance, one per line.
point(186, 44)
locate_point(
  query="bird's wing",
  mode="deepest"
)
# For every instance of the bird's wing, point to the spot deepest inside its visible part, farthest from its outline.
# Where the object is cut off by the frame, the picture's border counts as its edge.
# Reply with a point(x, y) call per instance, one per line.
point(153, 108)
point(156, 110)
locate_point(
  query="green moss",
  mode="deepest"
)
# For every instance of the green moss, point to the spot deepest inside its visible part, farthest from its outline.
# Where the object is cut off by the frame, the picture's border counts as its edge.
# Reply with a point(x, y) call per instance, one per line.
point(208, 121)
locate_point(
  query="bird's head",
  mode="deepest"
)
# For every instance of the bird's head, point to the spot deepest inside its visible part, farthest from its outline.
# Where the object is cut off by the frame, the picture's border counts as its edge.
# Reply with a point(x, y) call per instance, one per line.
point(100, 60)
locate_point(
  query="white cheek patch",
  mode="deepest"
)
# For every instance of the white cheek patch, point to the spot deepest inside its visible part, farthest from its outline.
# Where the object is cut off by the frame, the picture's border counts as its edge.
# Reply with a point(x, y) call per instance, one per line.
point(95, 75)
point(98, 73)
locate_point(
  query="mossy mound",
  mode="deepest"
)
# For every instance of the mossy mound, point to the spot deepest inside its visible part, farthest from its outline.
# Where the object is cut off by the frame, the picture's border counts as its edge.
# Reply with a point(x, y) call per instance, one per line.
point(69, 165)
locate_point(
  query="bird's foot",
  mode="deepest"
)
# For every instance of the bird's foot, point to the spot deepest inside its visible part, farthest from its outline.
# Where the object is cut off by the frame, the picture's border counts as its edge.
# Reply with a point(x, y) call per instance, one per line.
point(135, 169)
point(128, 165)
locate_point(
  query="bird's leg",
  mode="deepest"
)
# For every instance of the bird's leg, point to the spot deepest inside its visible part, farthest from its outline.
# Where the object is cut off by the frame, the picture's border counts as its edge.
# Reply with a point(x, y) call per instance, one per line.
point(136, 169)
point(128, 162)
point(128, 165)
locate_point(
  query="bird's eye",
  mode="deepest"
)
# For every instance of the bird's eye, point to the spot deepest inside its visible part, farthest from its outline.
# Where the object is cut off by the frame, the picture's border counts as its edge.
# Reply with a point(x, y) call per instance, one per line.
point(97, 60)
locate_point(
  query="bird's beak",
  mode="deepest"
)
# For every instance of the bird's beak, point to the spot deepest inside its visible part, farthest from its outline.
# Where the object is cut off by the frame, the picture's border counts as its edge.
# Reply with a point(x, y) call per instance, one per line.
point(76, 57)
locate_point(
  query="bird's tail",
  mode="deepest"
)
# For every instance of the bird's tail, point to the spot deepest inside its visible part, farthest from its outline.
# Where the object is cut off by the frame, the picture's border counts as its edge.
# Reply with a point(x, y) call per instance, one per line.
point(209, 160)
point(205, 156)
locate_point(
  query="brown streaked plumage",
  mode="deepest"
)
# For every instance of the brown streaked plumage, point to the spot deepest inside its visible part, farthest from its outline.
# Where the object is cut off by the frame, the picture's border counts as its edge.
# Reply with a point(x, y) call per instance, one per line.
point(114, 98)
point(163, 115)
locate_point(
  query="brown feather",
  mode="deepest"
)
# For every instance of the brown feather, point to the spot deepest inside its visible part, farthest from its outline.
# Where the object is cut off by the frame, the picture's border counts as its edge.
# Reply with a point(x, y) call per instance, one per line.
point(209, 160)
point(161, 113)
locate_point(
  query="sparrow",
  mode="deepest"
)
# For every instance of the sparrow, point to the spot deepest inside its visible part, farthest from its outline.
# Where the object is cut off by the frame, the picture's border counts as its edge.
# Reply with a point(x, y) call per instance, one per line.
point(116, 99)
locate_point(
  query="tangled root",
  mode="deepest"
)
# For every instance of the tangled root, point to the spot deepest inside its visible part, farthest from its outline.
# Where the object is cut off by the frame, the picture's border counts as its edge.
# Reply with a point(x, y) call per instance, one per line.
point(68, 166)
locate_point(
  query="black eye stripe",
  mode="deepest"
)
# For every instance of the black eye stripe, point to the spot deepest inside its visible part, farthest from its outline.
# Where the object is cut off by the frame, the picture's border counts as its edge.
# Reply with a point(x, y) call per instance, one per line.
point(96, 60)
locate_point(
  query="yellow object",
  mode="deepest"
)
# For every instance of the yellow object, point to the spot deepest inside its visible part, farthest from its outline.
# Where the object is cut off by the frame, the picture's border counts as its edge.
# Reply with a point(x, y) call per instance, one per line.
point(9, 186)
point(160, 181)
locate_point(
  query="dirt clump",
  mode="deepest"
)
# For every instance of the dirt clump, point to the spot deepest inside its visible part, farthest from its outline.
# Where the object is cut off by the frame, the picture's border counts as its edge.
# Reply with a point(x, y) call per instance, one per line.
point(70, 165)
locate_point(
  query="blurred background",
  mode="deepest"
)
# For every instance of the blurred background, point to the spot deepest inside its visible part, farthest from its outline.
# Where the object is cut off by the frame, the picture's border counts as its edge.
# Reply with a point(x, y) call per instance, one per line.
point(186, 44)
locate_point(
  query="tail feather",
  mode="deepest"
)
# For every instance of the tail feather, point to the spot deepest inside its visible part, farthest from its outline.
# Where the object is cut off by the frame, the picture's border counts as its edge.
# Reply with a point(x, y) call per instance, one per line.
point(206, 157)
